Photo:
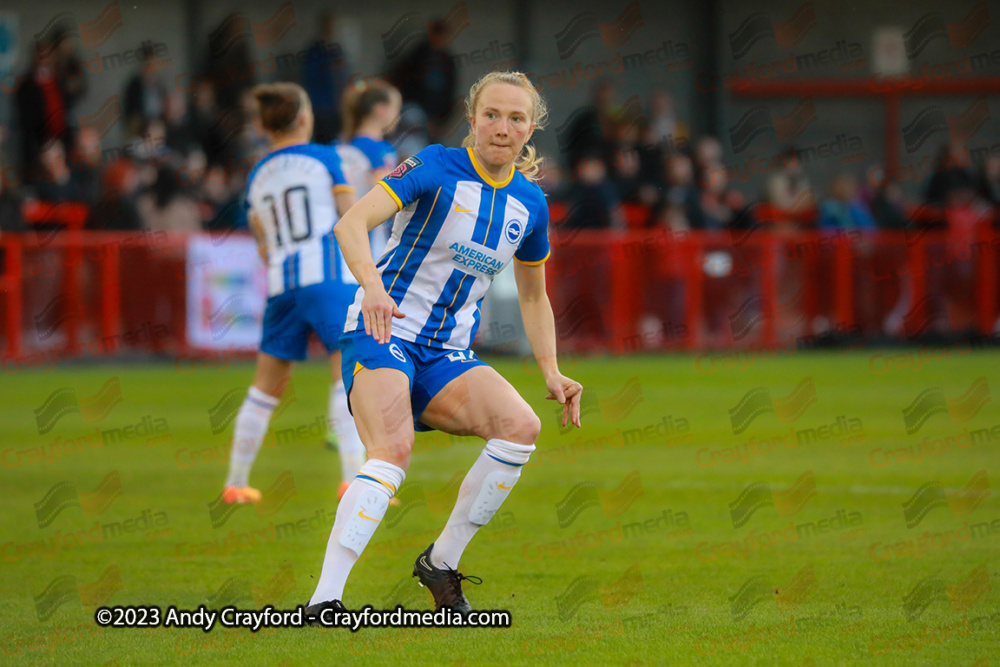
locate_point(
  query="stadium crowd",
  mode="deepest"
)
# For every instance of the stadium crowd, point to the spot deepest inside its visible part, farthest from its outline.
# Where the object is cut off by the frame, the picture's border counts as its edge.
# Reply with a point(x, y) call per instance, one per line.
point(185, 156)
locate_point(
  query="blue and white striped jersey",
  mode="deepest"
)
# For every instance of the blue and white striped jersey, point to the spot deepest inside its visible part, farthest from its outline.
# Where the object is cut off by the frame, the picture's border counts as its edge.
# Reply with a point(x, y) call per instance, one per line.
point(456, 230)
point(291, 193)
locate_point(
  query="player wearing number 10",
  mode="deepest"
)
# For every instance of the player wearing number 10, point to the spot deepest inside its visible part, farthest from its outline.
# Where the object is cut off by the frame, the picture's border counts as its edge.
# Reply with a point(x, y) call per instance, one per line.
point(294, 197)
point(461, 216)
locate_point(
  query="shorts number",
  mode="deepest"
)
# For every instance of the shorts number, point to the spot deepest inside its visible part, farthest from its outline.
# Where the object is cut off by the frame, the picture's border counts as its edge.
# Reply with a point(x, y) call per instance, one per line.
point(295, 227)
point(462, 355)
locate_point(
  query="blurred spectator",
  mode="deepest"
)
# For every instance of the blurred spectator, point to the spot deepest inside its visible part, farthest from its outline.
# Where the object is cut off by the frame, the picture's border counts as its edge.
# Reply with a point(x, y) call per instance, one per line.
point(952, 182)
point(592, 131)
point(788, 188)
point(719, 203)
point(72, 72)
point(181, 134)
point(889, 206)
point(411, 134)
point(220, 207)
point(665, 127)
point(229, 64)
point(11, 218)
point(989, 186)
point(86, 163)
point(593, 202)
point(842, 210)
point(57, 183)
point(679, 206)
point(42, 111)
point(324, 76)
point(168, 206)
point(116, 211)
point(708, 154)
point(145, 94)
point(427, 77)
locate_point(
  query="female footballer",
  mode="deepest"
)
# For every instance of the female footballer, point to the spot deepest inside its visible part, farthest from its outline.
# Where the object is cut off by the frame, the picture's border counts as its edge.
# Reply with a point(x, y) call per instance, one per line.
point(461, 216)
point(294, 197)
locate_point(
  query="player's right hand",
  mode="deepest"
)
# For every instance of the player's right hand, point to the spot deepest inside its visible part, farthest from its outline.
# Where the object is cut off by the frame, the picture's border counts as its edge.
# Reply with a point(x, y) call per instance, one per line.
point(378, 309)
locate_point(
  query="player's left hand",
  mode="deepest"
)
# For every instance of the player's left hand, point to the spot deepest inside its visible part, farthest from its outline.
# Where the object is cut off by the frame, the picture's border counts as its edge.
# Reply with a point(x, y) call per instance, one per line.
point(568, 392)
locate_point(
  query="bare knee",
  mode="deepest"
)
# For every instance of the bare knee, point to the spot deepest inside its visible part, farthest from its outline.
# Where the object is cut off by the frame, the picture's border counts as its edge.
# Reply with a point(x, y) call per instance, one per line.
point(522, 426)
point(395, 450)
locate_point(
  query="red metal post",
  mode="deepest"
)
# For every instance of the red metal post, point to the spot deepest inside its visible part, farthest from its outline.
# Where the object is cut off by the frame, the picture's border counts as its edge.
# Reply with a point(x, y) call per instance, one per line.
point(110, 298)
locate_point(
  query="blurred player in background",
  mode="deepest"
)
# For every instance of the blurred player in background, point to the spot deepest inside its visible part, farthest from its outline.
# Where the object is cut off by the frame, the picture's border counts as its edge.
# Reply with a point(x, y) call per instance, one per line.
point(461, 216)
point(295, 195)
point(366, 157)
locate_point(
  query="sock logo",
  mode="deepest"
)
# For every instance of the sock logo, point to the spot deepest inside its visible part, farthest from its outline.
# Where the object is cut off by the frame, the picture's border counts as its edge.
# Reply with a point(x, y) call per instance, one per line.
point(64, 495)
point(932, 401)
point(932, 26)
point(758, 401)
point(933, 589)
point(64, 401)
point(960, 503)
point(65, 589)
point(504, 488)
point(585, 25)
point(361, 514)
point(759, 26)
point(759, 494)
point(932, 120)
point(758, 120)
point(586, 494)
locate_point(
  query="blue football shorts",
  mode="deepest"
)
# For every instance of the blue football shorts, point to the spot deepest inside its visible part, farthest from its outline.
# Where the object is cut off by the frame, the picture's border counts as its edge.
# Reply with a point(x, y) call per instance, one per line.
point(290, 316)
point(429, 369)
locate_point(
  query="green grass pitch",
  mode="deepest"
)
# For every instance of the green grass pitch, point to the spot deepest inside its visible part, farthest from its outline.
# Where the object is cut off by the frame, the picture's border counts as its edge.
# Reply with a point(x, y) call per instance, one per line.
point(654, 535)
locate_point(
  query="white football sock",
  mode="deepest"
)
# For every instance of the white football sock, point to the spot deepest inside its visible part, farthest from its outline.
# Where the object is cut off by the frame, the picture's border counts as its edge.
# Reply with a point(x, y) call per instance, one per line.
point(358, 515)
point(483, 490)
point(352, 450)
point(248, 435)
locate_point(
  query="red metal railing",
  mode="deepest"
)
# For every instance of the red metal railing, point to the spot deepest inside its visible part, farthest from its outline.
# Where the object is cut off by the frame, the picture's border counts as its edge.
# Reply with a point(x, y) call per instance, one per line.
point(103, 293)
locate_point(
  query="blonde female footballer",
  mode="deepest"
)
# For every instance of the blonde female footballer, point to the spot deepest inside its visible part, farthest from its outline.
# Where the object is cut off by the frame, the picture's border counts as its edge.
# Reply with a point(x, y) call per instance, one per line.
point(461, 216)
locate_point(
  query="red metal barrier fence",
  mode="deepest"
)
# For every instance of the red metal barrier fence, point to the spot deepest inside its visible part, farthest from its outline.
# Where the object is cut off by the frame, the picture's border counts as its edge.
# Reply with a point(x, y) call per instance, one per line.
point(96, 294)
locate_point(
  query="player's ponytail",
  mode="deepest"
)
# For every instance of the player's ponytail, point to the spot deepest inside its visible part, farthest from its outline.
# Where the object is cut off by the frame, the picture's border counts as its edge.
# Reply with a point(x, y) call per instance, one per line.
point(528, 162)
point(359, 101)
point(279, 105)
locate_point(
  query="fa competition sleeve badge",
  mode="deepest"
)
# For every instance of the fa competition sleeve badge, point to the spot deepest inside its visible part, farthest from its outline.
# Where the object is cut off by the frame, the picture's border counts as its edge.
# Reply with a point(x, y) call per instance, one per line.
point(405, 167)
